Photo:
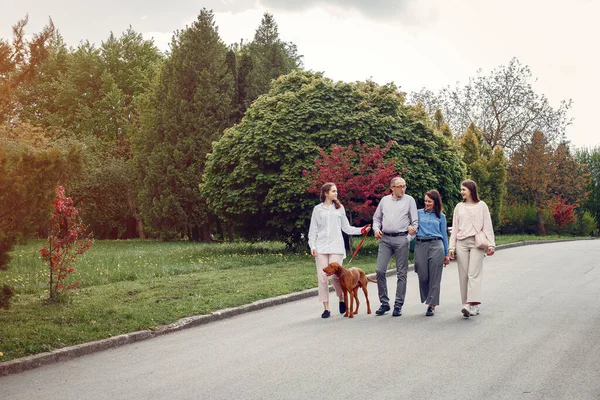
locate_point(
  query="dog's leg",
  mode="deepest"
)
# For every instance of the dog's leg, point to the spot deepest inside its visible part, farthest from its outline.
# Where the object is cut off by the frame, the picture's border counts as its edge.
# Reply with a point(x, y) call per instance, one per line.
point(367, 297)
point(356, 298)
point(351, 305)
point(345, 300)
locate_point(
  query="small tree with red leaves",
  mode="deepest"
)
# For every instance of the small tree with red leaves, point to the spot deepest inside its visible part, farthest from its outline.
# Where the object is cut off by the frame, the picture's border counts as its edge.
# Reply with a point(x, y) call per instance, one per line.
point(67, 239)
point(563, 213)
point(360, 173)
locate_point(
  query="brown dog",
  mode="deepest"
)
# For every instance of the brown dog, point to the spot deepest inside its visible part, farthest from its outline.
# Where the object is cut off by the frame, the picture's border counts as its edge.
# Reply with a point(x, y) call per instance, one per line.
point(350, 280)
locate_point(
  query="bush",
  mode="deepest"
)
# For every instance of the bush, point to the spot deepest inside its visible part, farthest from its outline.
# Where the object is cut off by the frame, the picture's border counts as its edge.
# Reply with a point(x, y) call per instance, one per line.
point(584, 225)
point(522, 219)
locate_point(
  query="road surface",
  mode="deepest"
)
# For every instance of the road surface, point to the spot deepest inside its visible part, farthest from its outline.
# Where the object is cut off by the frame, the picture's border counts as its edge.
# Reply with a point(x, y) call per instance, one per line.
point(537, 337)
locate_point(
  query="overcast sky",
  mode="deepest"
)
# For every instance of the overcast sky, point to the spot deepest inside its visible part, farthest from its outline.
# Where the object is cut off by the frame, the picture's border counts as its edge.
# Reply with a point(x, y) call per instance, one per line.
point(413, 43)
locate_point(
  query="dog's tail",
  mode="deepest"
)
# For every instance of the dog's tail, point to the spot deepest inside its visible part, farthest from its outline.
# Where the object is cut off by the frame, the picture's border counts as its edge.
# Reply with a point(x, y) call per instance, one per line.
point(371, 280)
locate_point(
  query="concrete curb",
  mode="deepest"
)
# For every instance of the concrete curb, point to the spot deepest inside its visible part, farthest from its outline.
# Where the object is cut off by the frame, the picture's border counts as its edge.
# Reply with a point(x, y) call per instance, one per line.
point(67, 353)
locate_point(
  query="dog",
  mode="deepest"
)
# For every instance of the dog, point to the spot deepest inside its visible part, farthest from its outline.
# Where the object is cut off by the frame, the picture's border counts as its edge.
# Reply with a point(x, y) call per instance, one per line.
point(350, 280)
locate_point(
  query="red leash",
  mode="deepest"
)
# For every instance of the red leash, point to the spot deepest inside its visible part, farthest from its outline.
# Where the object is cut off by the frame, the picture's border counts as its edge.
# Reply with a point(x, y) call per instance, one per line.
point(360, 244)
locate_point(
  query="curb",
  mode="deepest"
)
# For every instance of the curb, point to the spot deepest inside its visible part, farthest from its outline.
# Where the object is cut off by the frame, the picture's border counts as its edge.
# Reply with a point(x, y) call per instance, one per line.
point(67, 353)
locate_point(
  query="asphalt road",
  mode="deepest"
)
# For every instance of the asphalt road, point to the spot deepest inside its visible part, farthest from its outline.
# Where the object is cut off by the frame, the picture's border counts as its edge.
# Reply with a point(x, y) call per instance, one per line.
point(537, 337)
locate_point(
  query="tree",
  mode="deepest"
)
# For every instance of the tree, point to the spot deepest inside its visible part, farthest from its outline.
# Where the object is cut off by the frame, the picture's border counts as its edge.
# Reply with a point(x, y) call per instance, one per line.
point(188, 110)
point(253, 177)
point(591, 158)
point(487, 167)
point(503, 105)
point(89, 96)
point(562, 212)
point(361, 174)
point(572, 178)
point(530, 174)
point(263, 60)
point(18, 63)
point(67, 239)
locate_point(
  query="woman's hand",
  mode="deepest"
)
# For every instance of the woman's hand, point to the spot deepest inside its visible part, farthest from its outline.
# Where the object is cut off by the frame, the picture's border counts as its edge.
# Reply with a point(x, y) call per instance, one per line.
point(313, 252)
point(490, 251)
point(451, 254)
point(365, 229)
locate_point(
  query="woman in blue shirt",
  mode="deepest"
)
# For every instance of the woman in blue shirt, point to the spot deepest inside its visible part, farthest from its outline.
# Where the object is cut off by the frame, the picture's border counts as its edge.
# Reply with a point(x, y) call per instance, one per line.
point(431, 250)
point(326, 242)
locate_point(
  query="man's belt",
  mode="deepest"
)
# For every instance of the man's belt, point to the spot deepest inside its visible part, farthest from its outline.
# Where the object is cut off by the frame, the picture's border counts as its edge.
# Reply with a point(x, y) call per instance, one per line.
point(428, 239)
point(396, 234)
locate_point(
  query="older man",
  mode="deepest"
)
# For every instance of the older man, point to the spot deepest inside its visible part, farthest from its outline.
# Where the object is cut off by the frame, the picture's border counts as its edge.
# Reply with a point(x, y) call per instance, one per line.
point(396, 214)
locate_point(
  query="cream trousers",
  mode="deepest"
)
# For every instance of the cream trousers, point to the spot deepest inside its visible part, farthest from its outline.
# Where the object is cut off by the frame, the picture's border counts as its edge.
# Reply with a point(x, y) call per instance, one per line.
point(322, 261)
point(470, 270)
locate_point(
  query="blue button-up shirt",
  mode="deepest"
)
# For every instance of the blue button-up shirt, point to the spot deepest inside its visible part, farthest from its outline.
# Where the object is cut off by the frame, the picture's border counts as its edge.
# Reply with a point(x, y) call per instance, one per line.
point(432, 226)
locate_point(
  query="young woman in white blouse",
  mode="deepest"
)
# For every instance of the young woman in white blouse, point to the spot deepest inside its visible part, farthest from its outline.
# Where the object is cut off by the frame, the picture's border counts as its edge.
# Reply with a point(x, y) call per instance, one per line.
point(470, 217)
point(326, 242)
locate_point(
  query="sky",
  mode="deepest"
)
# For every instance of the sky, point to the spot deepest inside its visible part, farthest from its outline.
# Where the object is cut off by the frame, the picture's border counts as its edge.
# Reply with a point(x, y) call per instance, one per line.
point(412, 43)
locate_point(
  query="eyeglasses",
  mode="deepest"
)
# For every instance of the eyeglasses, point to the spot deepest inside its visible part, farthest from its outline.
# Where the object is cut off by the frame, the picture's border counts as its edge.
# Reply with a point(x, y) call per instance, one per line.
point(399, 187)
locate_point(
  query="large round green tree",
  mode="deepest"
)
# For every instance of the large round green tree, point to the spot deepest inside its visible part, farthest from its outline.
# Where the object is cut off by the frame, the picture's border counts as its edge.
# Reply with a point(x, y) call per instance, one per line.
point(253, 178)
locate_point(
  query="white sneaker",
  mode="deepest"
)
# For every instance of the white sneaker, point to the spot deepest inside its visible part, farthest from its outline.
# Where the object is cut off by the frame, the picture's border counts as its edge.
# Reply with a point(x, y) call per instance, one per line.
point(466, 311)
point(474, 309)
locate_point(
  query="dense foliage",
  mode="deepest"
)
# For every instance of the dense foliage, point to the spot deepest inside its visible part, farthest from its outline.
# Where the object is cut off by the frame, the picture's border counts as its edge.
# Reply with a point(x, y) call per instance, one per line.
point(254, 174)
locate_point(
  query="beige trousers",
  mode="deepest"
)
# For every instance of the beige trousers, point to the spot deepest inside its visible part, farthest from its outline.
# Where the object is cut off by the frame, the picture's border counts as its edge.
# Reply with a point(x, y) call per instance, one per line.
point(322, 261)
point(470, 270)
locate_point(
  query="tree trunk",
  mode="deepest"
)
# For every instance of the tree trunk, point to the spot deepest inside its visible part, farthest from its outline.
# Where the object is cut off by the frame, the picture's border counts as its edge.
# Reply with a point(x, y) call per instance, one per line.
point(540, 219)
point(138, 220)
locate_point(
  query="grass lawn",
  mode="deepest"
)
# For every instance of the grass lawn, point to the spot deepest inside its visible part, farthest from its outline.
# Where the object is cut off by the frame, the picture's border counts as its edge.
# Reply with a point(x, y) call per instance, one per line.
point(133, 285)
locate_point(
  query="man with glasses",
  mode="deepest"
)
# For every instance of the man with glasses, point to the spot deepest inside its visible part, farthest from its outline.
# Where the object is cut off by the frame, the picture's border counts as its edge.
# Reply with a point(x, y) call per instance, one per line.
point(395, 216)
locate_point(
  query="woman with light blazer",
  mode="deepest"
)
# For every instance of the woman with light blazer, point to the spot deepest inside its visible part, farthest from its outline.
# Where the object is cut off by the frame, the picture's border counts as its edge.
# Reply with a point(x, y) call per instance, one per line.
point(326, 242)
point(471, 216)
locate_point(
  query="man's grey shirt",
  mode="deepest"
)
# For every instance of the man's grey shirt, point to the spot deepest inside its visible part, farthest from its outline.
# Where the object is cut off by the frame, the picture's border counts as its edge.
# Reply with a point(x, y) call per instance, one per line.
point(393, 216)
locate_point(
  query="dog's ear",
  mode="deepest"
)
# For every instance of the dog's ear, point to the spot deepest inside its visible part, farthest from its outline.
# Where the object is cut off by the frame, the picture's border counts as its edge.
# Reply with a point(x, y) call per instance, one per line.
point(335, 264)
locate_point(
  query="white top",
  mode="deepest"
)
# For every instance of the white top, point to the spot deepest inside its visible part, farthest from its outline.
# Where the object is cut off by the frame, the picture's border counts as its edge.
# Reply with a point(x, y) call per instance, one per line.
point(468, 220)
point(326, 226)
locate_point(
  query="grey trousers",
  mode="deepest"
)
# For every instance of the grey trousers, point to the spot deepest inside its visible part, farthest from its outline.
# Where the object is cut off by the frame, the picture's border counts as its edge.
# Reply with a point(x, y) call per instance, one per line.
point(389, 246)
point(429, 265)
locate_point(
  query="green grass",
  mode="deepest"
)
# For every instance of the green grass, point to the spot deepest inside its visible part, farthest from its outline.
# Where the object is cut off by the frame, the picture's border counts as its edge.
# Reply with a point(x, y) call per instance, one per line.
point(133, 285)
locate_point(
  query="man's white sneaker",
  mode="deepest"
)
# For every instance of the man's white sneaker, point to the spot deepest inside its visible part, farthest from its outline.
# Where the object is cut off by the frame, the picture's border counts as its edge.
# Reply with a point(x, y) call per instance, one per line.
point(474, 310)
point(466, 310)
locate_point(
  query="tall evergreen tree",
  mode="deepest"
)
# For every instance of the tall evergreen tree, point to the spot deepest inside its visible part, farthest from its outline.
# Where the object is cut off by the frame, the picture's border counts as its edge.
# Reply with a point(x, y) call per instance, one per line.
point(266, 58)
point(193, 104)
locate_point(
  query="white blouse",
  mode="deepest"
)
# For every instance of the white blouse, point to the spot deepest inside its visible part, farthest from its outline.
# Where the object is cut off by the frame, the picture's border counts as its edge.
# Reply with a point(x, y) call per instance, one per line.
point(326, 226)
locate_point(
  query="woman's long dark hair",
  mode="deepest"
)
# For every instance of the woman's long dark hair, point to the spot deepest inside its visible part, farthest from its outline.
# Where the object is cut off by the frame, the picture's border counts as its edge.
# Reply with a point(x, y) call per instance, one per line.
point(437, 202)
point(472, 186)
point(325, 189)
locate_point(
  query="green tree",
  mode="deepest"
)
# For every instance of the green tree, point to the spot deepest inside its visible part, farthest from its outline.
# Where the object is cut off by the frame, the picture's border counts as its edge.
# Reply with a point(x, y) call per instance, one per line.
point(253, 177)
point(263, 60)
point(188, 110)
point(19, 62)
point(487, 167)
point(591, 158)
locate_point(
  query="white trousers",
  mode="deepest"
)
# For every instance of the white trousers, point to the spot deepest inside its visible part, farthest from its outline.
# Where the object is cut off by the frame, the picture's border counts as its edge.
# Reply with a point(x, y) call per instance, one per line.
point(322, 261)
point(470, 270)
